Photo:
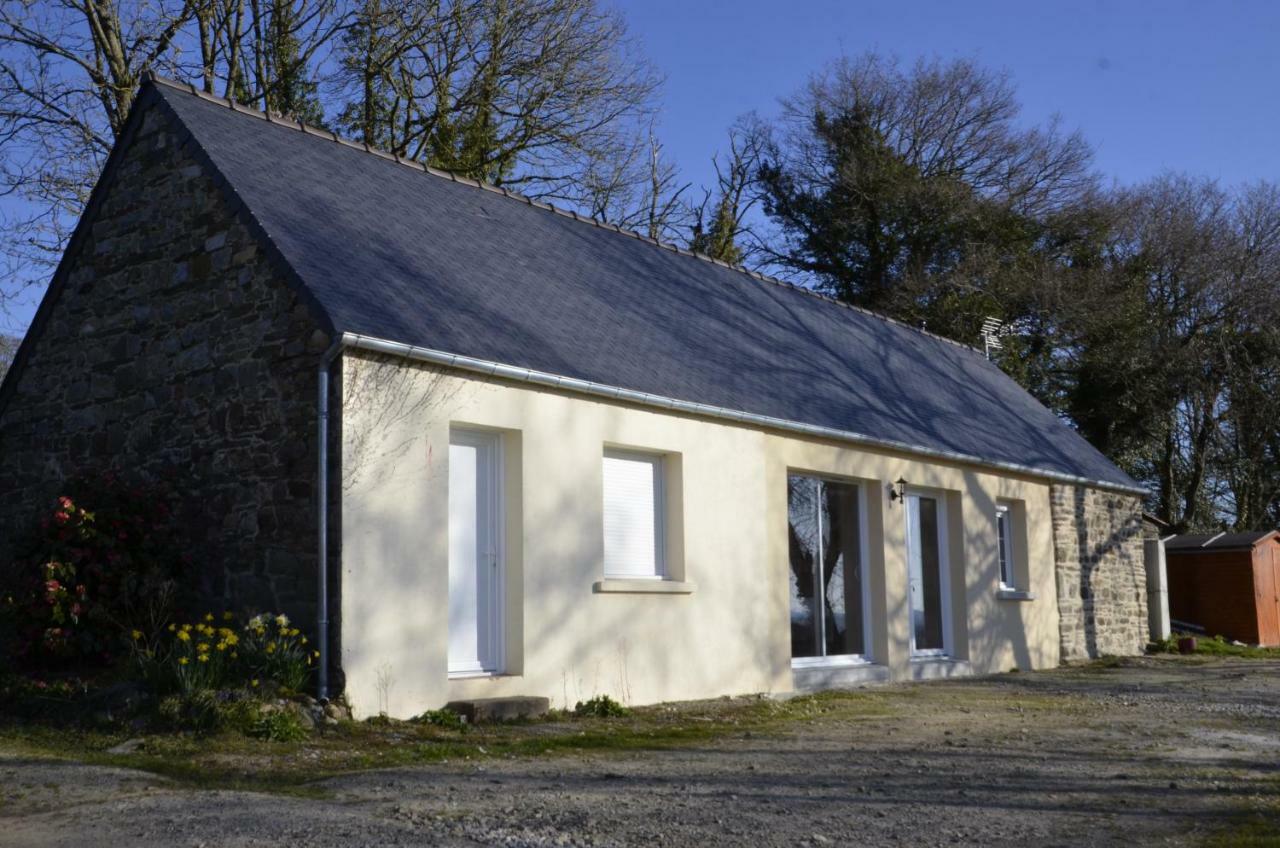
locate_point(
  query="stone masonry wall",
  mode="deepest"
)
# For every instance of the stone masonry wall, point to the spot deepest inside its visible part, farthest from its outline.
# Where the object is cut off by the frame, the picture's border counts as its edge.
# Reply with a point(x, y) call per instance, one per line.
point(1102, 588)
point(176, 351)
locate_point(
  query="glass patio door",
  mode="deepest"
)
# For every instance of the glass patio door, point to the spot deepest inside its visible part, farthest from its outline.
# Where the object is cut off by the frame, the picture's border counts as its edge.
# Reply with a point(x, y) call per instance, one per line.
point(827, 574)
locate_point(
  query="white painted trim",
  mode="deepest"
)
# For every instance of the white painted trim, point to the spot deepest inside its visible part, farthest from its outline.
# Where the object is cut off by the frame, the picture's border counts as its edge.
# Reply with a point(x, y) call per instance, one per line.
point(831, 661)
point(493, 441)
point(1004, 516)
point(944, 576)
point(555, 381)
point(863, 488)
point(638, 586)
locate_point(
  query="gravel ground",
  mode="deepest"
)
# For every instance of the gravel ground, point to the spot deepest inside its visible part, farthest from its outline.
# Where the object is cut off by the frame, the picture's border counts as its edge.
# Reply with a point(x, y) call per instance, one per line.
point(1150, 752)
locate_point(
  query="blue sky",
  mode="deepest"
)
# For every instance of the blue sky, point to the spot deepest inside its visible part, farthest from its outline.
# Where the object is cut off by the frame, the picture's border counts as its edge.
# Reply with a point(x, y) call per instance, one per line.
point(1154, 86)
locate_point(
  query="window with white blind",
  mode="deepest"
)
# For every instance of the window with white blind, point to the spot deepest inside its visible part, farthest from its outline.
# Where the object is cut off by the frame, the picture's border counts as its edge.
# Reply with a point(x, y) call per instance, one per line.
point(634, 536)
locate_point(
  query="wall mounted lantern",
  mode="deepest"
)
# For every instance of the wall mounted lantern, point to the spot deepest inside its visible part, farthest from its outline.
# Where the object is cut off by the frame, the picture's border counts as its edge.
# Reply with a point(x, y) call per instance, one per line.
point(899, 493)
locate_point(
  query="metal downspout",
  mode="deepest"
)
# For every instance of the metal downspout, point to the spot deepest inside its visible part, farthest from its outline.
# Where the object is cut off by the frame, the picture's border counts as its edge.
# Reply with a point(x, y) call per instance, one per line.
point(322, 485)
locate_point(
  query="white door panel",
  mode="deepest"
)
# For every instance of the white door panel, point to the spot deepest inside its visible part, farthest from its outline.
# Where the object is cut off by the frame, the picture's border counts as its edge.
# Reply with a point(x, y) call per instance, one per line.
point(475, 608)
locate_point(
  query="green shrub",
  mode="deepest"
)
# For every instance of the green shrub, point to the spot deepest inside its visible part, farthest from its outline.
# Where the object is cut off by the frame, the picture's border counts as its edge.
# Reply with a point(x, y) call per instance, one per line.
point(209, 711)
point(279, 726)
point(601, 706)
point(199, 711)
point(105, 559)
point(447, 719)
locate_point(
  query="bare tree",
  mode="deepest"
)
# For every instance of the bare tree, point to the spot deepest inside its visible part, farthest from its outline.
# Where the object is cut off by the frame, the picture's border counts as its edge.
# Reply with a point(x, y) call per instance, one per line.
point(69, 71)
point(637, 188)
point(8, 348)
point(528, 94)
point(719, 228)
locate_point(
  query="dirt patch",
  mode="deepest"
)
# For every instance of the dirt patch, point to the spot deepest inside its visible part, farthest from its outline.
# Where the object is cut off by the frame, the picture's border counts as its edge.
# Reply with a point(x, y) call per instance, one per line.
point(1145, 752)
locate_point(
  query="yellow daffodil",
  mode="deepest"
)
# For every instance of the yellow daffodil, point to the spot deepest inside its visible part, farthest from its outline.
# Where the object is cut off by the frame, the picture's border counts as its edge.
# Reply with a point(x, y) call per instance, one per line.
point(254, 683)
point(222, 646)
point(172, 627)
point(208, 616)
point(232, 639)
point(204, 658)
point(137, 634)
point(227, 616)
point(184, 636)
point(282, 620)
point(186, 628)
point(304, 640)
point(182, 660)
point(202, 646)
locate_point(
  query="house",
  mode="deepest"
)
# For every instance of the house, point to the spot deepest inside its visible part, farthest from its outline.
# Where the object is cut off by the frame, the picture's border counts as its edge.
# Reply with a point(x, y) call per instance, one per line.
point(1226, 584)
point(494, 448)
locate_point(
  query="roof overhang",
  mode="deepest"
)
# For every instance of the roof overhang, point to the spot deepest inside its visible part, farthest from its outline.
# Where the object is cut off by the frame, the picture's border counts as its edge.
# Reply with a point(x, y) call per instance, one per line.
point(668, 404)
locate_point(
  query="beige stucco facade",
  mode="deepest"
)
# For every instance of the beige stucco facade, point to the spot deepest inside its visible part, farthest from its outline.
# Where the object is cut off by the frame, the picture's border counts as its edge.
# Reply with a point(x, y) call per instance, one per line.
point(726, 632)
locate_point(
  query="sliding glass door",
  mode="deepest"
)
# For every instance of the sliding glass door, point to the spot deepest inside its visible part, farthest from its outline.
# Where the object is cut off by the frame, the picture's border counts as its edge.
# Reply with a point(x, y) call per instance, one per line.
point(827, 573)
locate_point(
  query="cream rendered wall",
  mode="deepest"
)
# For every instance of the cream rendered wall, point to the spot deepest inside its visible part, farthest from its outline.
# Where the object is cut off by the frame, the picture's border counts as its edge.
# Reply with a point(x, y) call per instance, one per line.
point(568, 642)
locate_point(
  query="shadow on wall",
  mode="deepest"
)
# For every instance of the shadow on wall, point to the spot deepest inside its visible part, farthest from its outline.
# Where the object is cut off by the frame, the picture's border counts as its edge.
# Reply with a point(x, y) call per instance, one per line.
point(1111, 579)
point(577, 643)
point(1004, 625)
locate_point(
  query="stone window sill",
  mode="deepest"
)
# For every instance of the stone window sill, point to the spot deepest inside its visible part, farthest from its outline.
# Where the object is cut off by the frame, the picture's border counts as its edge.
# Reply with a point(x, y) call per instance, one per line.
point(643, 587)
point(1015, 595)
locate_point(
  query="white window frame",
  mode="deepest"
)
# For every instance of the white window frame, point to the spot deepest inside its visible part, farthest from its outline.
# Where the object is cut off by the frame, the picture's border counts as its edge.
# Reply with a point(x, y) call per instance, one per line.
point(864, 551)
point(658, 463)
point(1006, 555)
point(944, 577)
point(494, 483)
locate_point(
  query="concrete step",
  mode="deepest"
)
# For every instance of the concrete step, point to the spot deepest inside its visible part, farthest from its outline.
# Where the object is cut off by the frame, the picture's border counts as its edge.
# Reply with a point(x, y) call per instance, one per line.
point(482, 710)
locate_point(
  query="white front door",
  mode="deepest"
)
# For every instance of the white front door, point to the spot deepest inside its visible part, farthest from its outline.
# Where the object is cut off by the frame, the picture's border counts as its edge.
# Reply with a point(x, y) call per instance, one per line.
point(927, 575)
point(475, 556)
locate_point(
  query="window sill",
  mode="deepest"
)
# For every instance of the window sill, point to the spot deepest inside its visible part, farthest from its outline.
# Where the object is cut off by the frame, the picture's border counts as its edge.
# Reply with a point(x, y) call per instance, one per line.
point(477, 675)
point(1015, 595)
point(834, 661)
point(643, 587)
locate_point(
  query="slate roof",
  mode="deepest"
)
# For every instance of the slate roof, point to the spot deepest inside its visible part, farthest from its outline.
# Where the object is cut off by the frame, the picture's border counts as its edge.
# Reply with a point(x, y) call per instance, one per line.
point(1191, 542)
point(398, 252)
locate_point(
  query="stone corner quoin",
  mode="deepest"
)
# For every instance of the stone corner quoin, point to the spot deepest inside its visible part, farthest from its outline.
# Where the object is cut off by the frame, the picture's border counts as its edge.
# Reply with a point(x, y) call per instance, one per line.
point(1101, 577)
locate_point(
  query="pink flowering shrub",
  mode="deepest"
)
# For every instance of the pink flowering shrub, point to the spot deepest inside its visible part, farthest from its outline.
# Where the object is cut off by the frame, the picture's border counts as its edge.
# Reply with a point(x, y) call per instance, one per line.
point(103, 561)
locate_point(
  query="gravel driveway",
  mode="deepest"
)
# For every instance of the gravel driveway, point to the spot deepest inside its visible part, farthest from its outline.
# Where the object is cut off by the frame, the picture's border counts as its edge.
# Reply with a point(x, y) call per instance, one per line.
point(1149, 752)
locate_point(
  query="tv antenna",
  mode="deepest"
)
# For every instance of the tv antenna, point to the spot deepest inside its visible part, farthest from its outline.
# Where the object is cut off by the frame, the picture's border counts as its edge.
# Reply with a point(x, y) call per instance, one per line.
point(992, 330)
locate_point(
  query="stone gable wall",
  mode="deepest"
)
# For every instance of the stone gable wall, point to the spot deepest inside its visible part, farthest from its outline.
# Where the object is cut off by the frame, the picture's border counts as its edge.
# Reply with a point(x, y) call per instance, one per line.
point(175, 350)
point(1102, 587)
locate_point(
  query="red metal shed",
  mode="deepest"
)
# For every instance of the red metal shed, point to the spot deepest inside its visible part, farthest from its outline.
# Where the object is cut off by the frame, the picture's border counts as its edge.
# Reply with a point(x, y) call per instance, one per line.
point(1228, 584)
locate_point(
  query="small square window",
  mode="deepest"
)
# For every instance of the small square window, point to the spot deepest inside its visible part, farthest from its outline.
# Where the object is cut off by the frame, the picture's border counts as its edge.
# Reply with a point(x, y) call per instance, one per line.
point(634, 532)
point(1004, 530)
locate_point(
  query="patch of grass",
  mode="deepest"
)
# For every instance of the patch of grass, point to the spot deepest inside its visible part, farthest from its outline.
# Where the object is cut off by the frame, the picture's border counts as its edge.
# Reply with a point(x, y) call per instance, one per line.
point(1255, 824)
point(442, 718)
point(601, 706)
point(1215, 646)
point(1219, 647)
point(281, 763)
point(1256, 831)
